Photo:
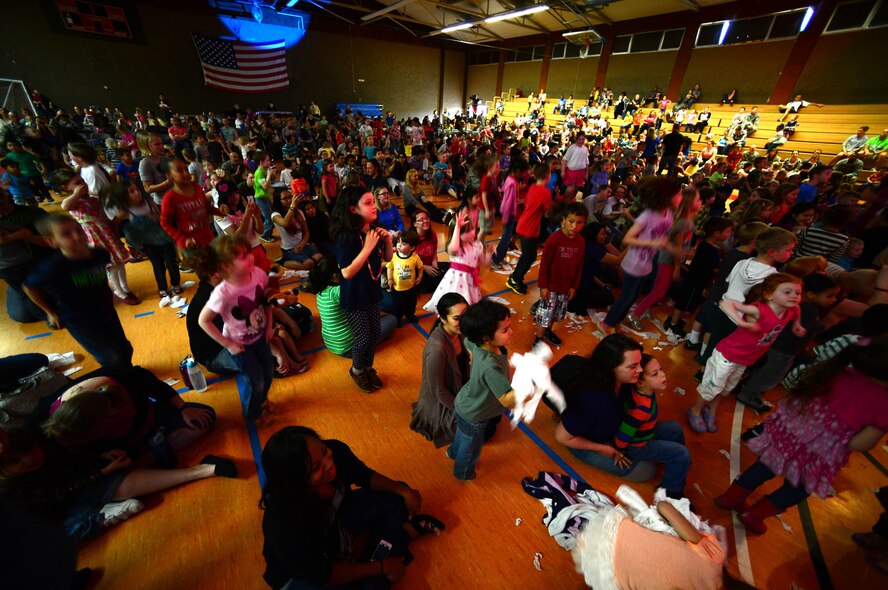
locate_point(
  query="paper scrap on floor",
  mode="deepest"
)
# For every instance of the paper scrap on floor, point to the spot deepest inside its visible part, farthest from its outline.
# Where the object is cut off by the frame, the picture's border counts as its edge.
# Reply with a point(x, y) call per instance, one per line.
point(57, 360)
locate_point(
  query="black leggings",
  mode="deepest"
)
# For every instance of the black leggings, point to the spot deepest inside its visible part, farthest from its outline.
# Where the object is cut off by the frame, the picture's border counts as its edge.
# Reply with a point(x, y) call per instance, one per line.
point(528, 255)
point(163, 259)
point(365, 327)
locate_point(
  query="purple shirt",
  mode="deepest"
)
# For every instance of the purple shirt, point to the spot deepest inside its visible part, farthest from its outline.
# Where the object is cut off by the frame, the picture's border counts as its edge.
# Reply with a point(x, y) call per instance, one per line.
point(638, 262)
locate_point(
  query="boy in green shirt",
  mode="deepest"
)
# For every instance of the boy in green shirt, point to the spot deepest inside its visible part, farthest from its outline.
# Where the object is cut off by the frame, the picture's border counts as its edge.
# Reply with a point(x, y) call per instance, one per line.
point(487, 326)
point(262, 178)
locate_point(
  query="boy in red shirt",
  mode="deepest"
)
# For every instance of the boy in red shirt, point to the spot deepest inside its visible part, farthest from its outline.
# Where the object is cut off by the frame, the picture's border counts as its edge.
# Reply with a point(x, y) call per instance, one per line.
point(560, 271)
point(536, 203)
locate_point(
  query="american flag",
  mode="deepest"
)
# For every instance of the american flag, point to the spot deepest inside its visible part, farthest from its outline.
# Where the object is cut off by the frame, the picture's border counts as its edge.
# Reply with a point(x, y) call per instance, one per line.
point(243, 67)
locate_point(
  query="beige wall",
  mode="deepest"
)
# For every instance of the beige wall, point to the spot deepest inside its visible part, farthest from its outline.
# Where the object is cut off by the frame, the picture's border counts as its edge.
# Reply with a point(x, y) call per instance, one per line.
point(482, 81)
point(572, 76)
point(752, 68)
point(522, 74)
point(454, 71)
point(847, 68)
point(637, 73)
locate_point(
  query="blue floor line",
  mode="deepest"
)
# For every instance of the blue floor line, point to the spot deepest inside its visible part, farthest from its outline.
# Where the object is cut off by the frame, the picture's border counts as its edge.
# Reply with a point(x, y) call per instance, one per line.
point(144, 314)
point(36, 336)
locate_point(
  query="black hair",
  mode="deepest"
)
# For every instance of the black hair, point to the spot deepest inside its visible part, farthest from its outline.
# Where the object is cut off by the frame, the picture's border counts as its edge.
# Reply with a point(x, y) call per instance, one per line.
point(287, 465)
point(716, 224)
point(576, 209)
point(480, 321)
point(875, 320)
point(320, 276)
point(818, 283)
point(7, 162)
point(541, 172)
point(410, 237)
point(84, 151)
point(590, 232)
point(656, 192)
point(445, 303)
point(607, 356)
point(344, 221)
point(837, 215)
point(867, 356)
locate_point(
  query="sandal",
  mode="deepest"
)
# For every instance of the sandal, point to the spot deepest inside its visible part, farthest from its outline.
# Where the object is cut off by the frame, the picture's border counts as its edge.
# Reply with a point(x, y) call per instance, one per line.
point(425, 524)
point(696, 422)
point(300, 367)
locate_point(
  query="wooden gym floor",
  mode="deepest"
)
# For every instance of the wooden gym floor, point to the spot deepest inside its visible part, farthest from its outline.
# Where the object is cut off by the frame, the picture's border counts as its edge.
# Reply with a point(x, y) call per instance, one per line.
point(208, 534)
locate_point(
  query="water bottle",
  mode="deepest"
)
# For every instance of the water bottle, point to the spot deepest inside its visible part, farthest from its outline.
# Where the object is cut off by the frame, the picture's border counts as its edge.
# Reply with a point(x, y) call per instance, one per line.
point(195, 375)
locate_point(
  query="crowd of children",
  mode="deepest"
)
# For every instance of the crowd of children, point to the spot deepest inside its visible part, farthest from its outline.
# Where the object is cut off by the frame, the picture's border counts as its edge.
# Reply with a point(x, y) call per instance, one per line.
point(732, 242)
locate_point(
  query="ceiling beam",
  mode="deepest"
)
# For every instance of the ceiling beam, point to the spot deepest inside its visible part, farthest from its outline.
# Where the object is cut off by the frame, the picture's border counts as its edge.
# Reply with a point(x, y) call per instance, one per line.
point(386, 10)
point(325, 9)
point(364, 9)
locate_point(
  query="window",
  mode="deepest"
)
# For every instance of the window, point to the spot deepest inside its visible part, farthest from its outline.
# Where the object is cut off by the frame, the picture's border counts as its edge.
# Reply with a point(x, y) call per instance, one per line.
point(523, 54)
point(787, 24)
point(572, 50)
point(646, 42)
point(511, 56)
point(709, 34)
point(539, 51)
point(748, 29)
point(595, 48)
point(672, 39)
point(558, 50)
point(621, 44)
point(851, 15)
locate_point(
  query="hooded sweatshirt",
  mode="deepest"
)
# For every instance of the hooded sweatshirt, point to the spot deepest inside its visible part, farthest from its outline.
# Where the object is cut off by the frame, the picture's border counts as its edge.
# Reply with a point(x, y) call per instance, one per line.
point(746, 274)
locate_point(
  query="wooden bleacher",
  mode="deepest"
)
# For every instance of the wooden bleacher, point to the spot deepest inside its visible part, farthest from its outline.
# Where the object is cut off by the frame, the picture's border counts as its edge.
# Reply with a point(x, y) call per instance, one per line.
point(821, 129)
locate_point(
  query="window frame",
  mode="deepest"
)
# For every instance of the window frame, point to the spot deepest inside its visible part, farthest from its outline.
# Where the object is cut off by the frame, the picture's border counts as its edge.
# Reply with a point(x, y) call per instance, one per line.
point(866, 23)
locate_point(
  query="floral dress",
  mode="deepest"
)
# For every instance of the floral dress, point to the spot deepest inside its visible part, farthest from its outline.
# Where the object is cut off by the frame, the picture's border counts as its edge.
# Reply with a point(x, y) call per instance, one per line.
point(88, 213)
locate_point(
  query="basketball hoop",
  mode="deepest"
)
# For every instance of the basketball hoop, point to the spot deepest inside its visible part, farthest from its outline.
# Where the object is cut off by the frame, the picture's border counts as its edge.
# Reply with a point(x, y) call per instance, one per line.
point(584, 52)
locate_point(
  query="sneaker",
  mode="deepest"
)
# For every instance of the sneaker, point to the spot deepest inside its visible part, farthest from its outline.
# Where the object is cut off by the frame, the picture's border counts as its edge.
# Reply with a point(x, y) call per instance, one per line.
point(183, 268)
point(633, 322)
point(176, 290)
point(165, 300)
point(709, 420)
point(117, 512)
point(373, 377)
point(496, 266)
point(696, 422)
point(699, 358)
point(693, 345)
point(534, 307)
point(552, 338)
point(698, 376)
point(188, 284)
point(362, 381)
point(757, 404)
point(448, 217)
point(517, 287)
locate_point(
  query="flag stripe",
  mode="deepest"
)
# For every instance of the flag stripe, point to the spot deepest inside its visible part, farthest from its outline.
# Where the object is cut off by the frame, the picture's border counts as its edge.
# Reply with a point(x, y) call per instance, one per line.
point(243, 67)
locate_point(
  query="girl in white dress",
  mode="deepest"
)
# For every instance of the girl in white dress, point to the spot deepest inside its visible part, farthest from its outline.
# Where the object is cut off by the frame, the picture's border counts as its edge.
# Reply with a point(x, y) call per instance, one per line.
point(467, 254)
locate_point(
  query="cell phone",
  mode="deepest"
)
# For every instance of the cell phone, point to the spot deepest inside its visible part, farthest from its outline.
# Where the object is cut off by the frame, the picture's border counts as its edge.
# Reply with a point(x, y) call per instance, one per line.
point(382, 550)
point(251, 200)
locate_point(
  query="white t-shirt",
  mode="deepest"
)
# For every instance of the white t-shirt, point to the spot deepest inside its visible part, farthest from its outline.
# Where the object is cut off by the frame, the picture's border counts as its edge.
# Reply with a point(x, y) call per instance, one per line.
point(288, 240)
point(94, 178)
point(576, 157)
point(744, 276)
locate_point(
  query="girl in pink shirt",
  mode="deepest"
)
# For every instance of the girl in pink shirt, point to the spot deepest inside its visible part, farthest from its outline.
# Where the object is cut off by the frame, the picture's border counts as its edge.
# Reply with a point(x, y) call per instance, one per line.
point(773, 304)
point(839, 406)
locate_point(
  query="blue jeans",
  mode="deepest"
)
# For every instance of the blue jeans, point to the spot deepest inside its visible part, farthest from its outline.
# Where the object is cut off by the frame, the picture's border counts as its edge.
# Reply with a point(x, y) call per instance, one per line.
point(503, 247)
point(667, 447)
point(256, 366)
point(104, 338)
point(223, 364)
point(265, 209)
point(639, 471)
point(628, 294)
point(466, 447)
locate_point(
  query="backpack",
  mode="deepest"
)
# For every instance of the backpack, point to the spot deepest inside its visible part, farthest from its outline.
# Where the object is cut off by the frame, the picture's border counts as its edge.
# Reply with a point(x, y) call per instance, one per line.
point(18, 405)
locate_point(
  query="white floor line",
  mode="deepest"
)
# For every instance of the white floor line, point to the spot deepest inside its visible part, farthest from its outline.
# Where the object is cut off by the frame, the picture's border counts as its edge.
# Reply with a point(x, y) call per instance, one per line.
point(743, 561)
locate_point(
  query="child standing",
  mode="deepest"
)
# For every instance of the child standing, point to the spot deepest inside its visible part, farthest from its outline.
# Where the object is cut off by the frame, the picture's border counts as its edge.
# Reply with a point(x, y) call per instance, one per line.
point(774, 246)
point(819, 296)
point(241, 301)
point(646, 236)
point(185, 210)
point(87, 211)
point(71, 287)
point(467, 255)
point(404, 276)
point(18, 184)
point(699, 276)
point(262, 178)
point(561, 268)
point(635, 436)
point(669, 260)
point(138, 218)
point(509, 211)
point(488, 192)
point(536, 203)
point(487, 327)
point(809, 438)
point(773, 305)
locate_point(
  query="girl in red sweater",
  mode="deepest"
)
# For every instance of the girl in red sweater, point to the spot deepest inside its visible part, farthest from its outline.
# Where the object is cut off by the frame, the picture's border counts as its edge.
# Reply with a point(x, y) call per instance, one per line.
point(185, 211)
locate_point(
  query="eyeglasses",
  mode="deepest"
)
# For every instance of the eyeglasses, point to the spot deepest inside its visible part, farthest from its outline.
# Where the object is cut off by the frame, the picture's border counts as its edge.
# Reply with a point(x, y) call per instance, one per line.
point(422, 220)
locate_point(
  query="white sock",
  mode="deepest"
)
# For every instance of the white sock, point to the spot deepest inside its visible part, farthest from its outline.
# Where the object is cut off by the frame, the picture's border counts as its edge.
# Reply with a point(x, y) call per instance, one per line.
point(695, 336)
point(121, 276)
point(703, 348)
point(114, 280)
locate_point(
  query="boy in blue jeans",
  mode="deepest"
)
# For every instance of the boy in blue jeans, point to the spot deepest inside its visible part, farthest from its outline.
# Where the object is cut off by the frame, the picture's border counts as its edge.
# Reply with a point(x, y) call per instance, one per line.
point(487, 327)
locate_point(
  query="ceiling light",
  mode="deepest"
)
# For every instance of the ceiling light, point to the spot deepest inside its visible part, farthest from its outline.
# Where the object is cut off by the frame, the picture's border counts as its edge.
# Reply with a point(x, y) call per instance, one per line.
point(808, 14)
point(457, 27)
point(515, 14)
